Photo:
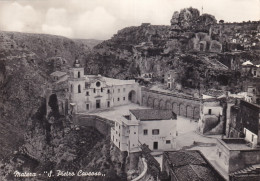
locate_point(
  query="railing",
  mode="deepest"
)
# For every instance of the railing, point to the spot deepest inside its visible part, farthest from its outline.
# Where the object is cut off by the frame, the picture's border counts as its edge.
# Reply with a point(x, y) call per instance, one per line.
point(144, 172)
point(171, 94)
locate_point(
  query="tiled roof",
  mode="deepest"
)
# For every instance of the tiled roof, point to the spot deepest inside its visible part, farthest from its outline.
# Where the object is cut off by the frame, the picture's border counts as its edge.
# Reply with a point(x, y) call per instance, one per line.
point(153, 114)
point(191, 165)
point(58, 73)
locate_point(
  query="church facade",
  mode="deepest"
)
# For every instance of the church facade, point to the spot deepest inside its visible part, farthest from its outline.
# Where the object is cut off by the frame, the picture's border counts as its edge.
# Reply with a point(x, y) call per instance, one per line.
point(92, 92)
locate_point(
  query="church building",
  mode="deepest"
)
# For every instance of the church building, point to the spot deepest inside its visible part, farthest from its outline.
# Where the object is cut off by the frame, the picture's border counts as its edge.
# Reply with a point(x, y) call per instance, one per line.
point(91, 92)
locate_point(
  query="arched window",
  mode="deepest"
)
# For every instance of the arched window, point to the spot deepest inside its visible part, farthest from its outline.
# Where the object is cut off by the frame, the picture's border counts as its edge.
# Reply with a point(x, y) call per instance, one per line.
point(108, 91)
point(79, 90)
point(78, 74)
point(71, 88)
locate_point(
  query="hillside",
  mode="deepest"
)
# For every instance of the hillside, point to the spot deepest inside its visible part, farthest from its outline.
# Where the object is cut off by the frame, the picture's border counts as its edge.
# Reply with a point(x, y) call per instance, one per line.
point(89, 42)
point(192, 45)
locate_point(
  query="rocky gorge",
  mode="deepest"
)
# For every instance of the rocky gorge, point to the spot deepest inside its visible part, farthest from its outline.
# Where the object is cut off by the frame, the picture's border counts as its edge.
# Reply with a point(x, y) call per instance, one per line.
point(201, 51)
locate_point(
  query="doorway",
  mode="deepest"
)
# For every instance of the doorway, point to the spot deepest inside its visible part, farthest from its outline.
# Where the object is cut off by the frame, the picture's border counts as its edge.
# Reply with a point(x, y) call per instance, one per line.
point(155, 145)
point(97, 104)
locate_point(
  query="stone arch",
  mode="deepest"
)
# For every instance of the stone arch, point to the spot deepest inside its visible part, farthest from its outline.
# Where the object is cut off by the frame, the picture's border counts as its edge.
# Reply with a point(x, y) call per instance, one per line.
point(150, 102)
point(162, 104)
point(196, 113)
point(132, 96)
point(156, 103)
point(175, 108)
point(168, 105)
point(52, 105)
point(190, 111)
point(183, 110)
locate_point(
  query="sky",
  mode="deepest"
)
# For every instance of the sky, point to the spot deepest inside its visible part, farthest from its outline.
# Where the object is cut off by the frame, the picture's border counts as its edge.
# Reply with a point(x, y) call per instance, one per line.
point(100, 19)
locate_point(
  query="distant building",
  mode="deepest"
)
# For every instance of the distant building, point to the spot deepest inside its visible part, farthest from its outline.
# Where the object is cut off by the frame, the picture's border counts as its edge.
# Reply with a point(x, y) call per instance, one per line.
point(155, 128)
point(256, 71)
point(188, 165)
point(57, 75)
point(170, 80)
point(245, 122)
point(90, 92)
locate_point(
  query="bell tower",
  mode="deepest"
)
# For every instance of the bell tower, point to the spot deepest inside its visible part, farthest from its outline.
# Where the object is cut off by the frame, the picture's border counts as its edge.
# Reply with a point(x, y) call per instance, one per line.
point(76, 87)
point(77, 71)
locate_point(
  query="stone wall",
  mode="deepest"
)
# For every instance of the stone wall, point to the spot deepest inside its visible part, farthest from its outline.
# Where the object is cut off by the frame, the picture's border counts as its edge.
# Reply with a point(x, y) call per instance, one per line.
point(240, 159)
point(101, 124)
point(181, 105)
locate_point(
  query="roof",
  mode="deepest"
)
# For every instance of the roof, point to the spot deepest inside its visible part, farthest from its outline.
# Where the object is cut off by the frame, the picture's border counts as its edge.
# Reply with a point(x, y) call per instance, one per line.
point(253, 169)
point(191, 165)
point(109, 81)
point(247, 63)
point(58, 73)
point(153, 114)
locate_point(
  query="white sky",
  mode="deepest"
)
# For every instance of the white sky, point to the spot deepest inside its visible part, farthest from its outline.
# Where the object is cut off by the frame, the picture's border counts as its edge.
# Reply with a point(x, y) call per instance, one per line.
point(100, 19)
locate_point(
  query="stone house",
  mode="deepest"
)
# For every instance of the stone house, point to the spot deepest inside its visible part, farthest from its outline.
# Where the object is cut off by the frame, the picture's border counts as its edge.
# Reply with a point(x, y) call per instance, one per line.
point(188, 165)
point(170, 80)
point(245, 122)
point(211, 116)
point(236, 156)
point(155, 128)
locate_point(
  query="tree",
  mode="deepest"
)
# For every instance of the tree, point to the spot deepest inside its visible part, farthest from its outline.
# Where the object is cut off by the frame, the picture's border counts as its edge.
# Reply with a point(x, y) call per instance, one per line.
point(221, 21)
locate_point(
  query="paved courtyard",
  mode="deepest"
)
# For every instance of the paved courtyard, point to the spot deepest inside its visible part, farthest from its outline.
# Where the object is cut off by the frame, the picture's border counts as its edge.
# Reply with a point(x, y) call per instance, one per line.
point(187, 138)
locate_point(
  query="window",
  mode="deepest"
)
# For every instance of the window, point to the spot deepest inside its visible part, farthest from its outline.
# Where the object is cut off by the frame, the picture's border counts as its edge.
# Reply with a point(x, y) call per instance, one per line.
point(145, 132)
point(87, 93)
point(119, 134)
point(98, 84)
point(119, 126)
point(101, 89)
point(118, 90)
point(219, 154)
point(94, 90)
point(209, 111)
point(155, 131)
point(113, 137)
point(108, 91)
point(71, 88)
point(168, 141)
point(123, 89)
point(254, 73)
point(116, 132)
point(134, 132)
point(119, 144)
point(78, 74)
point(253, 137)
point(118, 99)
point(79, 89)
point(87, 106)
point(124, 98)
